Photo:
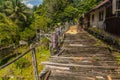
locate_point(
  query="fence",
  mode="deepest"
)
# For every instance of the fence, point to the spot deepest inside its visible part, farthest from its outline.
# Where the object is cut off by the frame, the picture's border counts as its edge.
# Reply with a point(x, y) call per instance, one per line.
point(56, 39)
point(34, 61)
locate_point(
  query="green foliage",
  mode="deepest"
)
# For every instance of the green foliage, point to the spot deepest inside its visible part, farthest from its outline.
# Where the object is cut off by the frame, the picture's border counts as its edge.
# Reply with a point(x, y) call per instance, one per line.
point(41, 23)
point(46, 15)
point(19, 71)
point(22, 63)
point(117, 56)
point(60, 11)
point(85, 5)
point(13, 13)
point(8, 31)
point(55, 5)
point(17, 12)
point(71, 13)
point(15, 19)
point(4, 78)
point(45, 43)
point(6, 58)
point(27, 34)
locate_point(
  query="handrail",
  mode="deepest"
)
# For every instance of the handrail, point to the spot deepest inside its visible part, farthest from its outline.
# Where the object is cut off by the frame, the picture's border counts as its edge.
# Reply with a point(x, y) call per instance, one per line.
point(18, 57)
point(44, 75)
point(12, 61)
point(32, 48)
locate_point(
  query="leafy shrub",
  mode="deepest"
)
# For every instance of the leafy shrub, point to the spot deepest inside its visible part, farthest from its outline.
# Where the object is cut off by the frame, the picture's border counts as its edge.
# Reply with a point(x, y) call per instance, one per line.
point(106, 37)
point(41, 23)
point(4, 78)
point(27, 34)
point(22, 63)
point(8, 31)
point(0, 61)
point(45, 43)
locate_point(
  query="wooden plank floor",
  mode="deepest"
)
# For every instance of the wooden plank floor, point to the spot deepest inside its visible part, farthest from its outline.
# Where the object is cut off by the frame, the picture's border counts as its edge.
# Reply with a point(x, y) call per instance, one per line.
point(83, 58)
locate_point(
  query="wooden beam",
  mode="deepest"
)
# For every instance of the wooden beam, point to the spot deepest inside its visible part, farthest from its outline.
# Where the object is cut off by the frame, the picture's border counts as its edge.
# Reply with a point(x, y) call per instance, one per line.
point(83, 58)
point(76, 65)
point(109, 77)
point(56, 67)
point(47, 75)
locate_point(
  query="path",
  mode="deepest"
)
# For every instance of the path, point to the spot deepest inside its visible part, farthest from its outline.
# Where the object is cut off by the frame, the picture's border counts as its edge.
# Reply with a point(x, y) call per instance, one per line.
point(84, 58)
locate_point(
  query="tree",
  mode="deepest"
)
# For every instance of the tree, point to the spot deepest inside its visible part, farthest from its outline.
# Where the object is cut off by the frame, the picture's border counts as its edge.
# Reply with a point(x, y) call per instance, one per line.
point(85, 5)
point(41, 23)
point(27, 34)
point(8, 31)
point(17, 12)
point(60, 11)
point(70, 13)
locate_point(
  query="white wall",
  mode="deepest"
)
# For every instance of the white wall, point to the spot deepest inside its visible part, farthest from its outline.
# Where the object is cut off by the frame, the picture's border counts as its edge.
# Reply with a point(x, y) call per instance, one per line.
point(114, 6)
point(96, 22)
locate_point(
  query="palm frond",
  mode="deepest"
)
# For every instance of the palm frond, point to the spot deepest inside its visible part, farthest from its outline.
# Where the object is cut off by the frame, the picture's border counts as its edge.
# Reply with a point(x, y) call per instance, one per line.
point(12, 15)
point(23, 16)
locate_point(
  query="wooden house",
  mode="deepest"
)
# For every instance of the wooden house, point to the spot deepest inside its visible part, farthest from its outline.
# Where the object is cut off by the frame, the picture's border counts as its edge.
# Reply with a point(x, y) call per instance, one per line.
point(105, 16)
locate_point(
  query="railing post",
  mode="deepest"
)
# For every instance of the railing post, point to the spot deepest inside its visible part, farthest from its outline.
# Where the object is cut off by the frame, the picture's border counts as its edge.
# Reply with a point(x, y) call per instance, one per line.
point(34, 62)
point(54, 40)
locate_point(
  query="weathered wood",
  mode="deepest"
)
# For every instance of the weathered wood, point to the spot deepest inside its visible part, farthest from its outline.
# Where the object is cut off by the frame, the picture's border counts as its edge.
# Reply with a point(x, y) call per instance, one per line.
point(77, 40)
point(47, 75)
point(83, 66)
point(60, 52)
point(82, 60)
point(109, 77)
point(34, 61)
point(57, 67)
point(79, 45)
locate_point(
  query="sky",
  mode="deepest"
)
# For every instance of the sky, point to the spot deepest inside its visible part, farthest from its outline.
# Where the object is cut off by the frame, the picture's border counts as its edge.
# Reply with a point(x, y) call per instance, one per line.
point(31, 3)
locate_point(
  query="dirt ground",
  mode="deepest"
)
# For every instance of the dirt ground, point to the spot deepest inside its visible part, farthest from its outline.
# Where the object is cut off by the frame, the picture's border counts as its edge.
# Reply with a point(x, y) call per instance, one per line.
point(73, 30)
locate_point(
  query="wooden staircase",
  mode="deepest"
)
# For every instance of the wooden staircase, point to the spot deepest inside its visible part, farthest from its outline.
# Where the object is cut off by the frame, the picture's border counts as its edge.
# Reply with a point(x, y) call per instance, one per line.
point(82, 59)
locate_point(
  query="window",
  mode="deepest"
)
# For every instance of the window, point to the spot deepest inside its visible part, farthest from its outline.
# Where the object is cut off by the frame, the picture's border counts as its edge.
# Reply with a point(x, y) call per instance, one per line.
point(93, 16)
point(118, 4)
point(118, 7)
point(101, 15)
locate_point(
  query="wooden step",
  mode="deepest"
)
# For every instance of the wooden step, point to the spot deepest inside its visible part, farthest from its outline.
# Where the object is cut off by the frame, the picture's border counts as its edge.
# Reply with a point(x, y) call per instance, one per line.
point(83, 66)
point(81, 60)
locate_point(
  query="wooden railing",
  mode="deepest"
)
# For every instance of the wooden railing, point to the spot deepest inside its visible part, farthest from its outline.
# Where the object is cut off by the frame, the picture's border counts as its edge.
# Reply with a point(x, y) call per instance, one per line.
point(56, 39)
point(34, 61)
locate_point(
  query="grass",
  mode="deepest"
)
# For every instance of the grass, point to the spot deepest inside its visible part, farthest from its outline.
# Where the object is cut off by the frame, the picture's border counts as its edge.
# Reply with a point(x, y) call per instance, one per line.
point(111, 48)
point(117, 56)
point(23, 69)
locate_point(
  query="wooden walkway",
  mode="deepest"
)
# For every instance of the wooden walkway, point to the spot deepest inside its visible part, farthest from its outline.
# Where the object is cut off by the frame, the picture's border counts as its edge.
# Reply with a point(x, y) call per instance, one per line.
point(83, 58)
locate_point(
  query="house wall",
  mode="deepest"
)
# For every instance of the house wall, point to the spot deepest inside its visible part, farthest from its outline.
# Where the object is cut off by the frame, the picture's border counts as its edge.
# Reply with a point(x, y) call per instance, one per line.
point(97, 23)
point(113, 6)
